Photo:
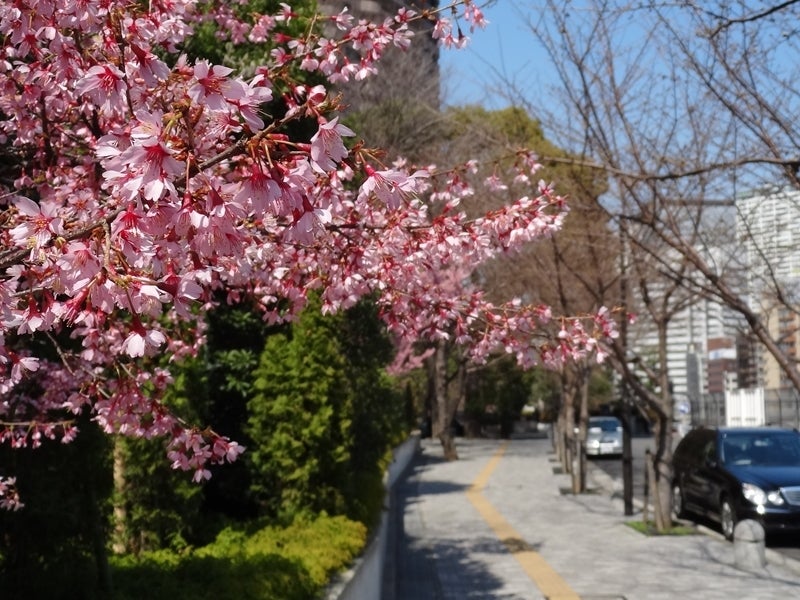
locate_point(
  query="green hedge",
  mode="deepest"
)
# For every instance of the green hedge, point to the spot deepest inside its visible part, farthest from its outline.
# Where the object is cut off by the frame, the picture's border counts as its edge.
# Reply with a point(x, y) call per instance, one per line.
point(272, 563)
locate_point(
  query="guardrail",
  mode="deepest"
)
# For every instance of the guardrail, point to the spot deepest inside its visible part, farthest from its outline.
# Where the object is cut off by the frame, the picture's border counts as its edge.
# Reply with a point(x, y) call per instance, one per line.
point(365, 578)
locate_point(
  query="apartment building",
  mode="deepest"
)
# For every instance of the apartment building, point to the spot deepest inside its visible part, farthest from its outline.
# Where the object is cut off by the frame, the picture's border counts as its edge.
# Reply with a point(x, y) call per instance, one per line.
point(414, 73)
point(703, 350)
point(768, 230)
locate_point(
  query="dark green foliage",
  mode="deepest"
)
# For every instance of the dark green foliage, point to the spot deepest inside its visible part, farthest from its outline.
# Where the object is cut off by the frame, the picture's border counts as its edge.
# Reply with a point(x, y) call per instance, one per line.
point(235, 337)
point(291, 563)
point(300, 417)
point(55, 545)
point(324, 415)
point(205, 43)
point(498, 393)
point(163, 508)
point(162, 505)
point(379, 419)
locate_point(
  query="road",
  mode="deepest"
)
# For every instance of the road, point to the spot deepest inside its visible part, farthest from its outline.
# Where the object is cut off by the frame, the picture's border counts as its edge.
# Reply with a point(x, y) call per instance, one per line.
point(613, 467)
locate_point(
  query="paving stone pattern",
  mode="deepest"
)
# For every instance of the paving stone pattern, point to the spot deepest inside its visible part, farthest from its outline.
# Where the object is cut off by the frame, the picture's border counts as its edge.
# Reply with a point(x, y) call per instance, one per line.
point(442, 549)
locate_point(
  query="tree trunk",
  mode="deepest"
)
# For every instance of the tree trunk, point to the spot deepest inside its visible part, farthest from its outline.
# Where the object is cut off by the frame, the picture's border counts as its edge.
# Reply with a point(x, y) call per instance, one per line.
point(627, 453)
point(559, 436)
point(99, 545)
point(121, 536)
point(627, 413)
point(568, 397)
point(443, 409)
point(662, 470)
point(662, 466)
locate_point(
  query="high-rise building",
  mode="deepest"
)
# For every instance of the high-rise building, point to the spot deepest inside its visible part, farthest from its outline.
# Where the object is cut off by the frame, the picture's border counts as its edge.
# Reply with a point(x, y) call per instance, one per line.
point(768, 230)
point(709, 348)
point(702, 349)
point(707, 352)
point(413, 73)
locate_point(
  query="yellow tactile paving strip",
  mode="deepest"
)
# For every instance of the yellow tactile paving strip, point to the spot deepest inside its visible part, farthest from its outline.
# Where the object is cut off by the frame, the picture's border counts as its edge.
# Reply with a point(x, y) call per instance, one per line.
point(550, 583)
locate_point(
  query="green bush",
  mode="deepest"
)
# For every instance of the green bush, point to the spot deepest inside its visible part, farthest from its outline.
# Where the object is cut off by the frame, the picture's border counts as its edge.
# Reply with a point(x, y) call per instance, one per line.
point(323, 416)
point(271, 563)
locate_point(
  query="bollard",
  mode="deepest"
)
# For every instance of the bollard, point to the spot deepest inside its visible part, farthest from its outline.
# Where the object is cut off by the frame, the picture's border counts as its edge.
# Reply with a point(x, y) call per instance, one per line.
point(749, 545)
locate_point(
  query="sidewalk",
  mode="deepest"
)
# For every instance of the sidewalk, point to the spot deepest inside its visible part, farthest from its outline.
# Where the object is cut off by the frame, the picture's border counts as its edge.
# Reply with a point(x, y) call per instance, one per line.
point(495, 525)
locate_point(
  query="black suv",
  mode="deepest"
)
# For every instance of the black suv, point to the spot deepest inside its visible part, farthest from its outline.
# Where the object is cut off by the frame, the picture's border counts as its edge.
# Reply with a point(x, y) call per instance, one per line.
point(731, 474)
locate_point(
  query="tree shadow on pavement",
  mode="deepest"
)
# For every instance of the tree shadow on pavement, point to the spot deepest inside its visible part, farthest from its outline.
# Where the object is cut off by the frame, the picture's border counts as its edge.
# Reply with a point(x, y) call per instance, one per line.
point(448, 570)
point(431, 568)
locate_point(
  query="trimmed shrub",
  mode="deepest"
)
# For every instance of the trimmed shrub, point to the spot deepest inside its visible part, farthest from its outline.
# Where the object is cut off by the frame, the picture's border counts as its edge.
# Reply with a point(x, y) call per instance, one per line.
point(271, 563)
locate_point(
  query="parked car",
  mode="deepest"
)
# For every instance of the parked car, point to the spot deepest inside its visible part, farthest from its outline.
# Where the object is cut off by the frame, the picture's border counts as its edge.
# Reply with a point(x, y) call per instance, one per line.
point(604, 436)
point(731, 474)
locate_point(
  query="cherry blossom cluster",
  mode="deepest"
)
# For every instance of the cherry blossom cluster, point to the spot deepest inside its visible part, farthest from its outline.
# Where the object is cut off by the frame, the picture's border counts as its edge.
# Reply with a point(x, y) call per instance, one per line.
point(9, 495)
point(150, 183)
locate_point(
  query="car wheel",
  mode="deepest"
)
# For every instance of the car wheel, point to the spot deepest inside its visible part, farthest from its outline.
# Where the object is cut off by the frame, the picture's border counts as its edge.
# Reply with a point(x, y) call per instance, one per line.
point(678, 505)
point(727, 518)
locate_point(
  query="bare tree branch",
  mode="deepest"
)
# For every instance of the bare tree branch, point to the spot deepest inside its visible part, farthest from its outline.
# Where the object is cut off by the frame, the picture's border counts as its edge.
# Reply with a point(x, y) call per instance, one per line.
point(727, 22)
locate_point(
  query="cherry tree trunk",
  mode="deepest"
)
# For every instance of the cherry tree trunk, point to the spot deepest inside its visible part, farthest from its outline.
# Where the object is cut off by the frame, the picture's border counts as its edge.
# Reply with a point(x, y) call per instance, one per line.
point(443, 407)
point(579, 472)
point(568, 399)
point(120, 538)
point(662, 475)
point(662, 459)
point(559, 436)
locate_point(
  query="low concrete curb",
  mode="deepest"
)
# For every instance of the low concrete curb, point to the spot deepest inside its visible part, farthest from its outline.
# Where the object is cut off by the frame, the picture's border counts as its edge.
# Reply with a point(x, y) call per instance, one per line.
point(365, 578)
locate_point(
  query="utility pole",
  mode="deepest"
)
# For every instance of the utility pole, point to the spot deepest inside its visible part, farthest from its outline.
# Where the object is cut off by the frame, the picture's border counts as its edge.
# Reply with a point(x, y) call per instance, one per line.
point(627, 416)
point(627, 452)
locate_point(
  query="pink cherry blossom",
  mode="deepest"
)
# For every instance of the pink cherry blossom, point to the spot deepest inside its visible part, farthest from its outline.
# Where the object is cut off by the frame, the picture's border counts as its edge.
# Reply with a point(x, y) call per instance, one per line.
point(43, 223)
point(9, 496)
point(393, 188)
point(105, 84)
point(213, 88)
point(140, 342)
point(327, 147)
point(474, 15)
point(162, 187)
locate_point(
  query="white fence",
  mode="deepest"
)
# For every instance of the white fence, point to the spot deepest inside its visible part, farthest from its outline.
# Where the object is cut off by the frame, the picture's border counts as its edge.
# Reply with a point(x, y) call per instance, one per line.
point(780, 407)
point(745, 408)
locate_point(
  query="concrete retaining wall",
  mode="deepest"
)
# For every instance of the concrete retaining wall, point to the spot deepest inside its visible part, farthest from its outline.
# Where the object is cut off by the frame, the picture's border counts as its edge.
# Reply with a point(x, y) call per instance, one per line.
point(365, 578)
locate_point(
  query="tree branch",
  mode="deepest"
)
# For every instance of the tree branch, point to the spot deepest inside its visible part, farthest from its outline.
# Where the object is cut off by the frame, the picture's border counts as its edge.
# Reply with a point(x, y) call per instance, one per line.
point(727, 23)
point(671, 175)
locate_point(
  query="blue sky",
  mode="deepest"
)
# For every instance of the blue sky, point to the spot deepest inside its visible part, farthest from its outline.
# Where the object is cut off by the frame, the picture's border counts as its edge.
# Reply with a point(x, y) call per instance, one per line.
point(504, 51)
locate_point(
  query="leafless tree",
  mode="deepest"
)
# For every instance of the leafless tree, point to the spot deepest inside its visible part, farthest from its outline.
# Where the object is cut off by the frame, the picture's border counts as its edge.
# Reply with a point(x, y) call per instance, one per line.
point(681, 106)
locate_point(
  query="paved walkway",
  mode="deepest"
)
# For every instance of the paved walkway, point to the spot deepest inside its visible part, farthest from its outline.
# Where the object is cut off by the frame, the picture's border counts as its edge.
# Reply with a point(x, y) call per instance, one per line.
point(495, 525)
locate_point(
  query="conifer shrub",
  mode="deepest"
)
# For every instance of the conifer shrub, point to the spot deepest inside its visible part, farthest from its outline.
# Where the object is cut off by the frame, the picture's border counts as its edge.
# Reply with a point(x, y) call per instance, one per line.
point(324, 416)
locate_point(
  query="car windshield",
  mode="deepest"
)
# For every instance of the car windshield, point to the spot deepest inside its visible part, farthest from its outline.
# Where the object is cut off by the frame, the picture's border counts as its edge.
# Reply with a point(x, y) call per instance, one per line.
point(768, 448)
point(604, 424)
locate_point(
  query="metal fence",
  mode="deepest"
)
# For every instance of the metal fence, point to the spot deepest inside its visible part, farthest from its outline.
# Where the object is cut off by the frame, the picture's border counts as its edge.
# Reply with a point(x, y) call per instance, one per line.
point(781, 408)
